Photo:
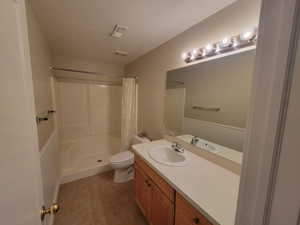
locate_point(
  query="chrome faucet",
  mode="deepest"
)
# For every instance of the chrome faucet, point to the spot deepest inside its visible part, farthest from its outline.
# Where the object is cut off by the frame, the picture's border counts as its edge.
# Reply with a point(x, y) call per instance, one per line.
point(177, 147)
point(194, 140)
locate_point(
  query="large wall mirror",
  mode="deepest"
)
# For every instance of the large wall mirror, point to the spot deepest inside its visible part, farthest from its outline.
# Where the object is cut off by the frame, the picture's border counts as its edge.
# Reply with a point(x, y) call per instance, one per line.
point(207, 103)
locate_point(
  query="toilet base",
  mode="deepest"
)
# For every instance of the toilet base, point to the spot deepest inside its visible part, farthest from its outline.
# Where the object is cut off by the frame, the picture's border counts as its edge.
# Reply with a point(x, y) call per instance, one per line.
point(123, 175)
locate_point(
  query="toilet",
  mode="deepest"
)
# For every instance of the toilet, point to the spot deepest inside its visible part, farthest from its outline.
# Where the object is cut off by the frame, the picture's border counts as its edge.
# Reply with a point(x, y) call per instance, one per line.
point(122, 162)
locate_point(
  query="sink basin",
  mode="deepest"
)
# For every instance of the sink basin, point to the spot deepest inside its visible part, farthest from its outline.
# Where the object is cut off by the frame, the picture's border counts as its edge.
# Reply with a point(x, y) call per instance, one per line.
point(166, 155)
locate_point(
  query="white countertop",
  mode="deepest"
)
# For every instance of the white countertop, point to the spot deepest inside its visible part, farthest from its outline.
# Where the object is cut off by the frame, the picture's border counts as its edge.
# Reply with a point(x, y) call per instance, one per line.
point(210, 188)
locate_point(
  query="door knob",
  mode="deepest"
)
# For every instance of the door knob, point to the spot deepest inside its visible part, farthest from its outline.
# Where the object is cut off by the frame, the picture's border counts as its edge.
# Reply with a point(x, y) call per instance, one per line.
point(52, 210)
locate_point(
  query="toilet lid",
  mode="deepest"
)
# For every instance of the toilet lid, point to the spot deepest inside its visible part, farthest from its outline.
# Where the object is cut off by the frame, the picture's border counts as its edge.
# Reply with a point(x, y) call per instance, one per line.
point(122, 156)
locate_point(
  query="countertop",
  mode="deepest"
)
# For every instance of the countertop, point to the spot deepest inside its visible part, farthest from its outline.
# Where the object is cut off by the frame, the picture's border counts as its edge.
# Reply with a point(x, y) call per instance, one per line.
point(210, 188)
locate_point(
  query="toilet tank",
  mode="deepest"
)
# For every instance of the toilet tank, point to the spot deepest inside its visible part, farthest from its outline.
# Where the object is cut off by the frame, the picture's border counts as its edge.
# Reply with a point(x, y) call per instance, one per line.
point(138, 140)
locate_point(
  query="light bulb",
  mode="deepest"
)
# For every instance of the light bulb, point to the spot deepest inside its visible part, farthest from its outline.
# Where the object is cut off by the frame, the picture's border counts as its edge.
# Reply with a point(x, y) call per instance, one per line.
point(248, 35)
point(194, 52)
point(225, 41)
point(235, 42)
point(192, 57)
point(184, 55)
point(208, 47)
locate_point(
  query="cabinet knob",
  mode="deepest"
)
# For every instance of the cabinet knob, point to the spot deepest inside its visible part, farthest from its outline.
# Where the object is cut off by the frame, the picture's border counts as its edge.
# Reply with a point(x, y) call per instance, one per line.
point(148, 183)
point(196, 220)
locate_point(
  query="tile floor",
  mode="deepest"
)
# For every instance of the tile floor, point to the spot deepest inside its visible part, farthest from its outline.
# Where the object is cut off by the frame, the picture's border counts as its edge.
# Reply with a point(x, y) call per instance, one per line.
point(97, 200)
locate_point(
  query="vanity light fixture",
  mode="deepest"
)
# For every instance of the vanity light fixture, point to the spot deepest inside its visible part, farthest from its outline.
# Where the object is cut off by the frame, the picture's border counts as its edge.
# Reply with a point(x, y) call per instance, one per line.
point(245, 39)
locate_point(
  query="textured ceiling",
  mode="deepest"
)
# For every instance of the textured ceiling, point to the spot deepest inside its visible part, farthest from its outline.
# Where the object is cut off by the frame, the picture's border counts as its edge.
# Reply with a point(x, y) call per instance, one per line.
point(80, 28)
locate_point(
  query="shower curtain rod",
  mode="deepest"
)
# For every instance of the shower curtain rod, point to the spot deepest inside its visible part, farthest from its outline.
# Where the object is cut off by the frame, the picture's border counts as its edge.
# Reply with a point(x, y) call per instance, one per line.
point(75, 71)
point(81, 71)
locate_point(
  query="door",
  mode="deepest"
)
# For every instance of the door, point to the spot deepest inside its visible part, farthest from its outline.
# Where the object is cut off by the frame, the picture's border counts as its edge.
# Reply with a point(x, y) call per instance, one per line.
point(162, 209)
point(285, 208)
point(21, 186)
point(270, 185)
point(143, 191)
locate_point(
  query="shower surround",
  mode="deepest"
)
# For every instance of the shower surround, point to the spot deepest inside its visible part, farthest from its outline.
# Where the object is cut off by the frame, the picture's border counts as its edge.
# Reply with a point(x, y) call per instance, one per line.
point(89, 122)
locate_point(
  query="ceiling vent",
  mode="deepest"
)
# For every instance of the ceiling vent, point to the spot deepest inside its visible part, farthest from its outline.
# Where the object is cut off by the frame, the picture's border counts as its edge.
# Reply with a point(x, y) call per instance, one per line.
point(121, 53)
point(118, 31)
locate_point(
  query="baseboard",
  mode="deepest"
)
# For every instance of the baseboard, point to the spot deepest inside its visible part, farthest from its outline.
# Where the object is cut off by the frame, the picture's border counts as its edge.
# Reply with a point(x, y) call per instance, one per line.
point(85, 173)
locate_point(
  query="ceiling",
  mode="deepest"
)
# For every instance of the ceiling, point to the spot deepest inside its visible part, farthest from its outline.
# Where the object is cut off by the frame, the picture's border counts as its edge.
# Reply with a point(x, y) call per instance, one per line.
point(81, 28)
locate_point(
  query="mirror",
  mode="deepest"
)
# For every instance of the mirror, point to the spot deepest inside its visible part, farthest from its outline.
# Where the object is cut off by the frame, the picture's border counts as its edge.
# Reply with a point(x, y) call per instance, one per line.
point(207, 103)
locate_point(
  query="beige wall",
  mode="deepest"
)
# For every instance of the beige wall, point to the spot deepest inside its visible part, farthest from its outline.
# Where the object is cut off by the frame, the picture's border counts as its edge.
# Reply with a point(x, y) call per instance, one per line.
point(41, 75)
point(152, 67)
point(221, 83)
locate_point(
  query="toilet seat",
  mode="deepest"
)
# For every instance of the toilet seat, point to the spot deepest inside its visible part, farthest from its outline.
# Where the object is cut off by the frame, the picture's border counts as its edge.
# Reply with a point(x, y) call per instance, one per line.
point(122, 157)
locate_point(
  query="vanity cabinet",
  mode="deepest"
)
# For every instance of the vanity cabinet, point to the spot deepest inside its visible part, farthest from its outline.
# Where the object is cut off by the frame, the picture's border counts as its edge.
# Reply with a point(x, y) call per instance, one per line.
point(153, 195)
point(159, 202)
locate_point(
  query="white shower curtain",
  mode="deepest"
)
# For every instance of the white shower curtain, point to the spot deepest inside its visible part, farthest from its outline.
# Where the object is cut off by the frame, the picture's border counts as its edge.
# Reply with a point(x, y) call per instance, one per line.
point(129, 112)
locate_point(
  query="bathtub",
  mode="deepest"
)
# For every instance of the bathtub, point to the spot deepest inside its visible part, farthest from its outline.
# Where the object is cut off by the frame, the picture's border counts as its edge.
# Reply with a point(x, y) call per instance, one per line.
point(87, 156)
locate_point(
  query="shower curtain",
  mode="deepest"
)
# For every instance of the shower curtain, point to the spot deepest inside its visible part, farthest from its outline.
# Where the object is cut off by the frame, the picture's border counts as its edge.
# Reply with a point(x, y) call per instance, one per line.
point(129, 112)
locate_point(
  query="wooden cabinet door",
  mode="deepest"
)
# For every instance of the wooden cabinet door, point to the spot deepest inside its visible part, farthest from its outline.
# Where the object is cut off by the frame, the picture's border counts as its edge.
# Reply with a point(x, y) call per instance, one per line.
point(162, 209)
point(186, 214)
point(143, 192)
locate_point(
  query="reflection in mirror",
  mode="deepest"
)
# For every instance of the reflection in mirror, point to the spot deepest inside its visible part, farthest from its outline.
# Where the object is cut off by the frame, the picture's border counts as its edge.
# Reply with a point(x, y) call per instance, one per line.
point(206, 103)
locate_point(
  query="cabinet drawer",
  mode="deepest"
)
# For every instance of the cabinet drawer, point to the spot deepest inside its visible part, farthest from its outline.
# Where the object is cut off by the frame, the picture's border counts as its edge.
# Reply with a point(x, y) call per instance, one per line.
point(162, 185)
point(186, 214)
